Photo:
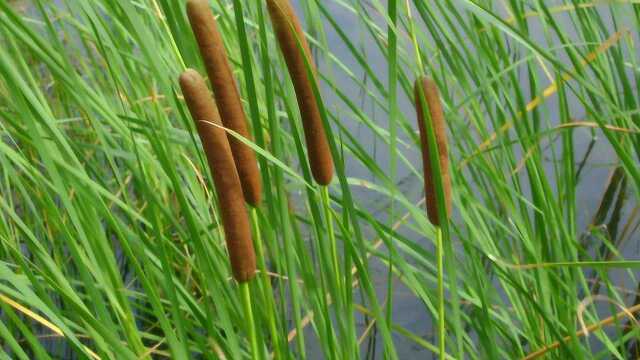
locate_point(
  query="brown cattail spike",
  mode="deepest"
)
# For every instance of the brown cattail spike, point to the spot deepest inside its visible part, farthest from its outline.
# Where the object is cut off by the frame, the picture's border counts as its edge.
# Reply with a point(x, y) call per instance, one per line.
point(225, 177)
point(289, 34)
point(213, 54)
point(427, 91)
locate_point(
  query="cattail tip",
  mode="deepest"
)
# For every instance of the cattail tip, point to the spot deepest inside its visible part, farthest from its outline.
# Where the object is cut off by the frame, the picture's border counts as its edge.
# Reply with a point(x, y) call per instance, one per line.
point(188, 77)
point(197, 4)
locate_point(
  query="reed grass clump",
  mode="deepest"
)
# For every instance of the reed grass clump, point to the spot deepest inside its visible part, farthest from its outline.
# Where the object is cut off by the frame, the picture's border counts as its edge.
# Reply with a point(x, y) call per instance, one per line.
point(291, 38)
point(225, 176)
point(426, 91)
point(227, 96)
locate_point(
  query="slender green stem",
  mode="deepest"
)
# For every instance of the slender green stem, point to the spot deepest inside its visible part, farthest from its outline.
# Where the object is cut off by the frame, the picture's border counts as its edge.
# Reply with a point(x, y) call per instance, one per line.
point(326, 204)
point(246, 303)
point(441, 327)
point(393, 138)
point(337, 279)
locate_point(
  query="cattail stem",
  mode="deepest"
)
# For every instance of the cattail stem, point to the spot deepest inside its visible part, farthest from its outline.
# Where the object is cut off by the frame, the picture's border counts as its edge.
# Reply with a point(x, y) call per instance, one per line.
point(442, 332)
point(333, 247)
point(227, 96)
point(225, 177)
point(248, 313)
point(297, 55)
point(426, 93)
point(334, 273)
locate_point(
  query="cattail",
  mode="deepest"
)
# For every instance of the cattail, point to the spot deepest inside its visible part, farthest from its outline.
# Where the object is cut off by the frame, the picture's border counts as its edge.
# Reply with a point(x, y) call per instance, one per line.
point(289, 33)
point(225, 176)
point(427, 88)
point(225, 90)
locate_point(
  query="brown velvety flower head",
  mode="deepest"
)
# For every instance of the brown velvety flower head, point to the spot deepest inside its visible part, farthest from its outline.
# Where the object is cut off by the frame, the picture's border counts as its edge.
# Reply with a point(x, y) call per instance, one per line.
point(291, 38)
point(428, 88)
point(227, 96)
point(233, 211)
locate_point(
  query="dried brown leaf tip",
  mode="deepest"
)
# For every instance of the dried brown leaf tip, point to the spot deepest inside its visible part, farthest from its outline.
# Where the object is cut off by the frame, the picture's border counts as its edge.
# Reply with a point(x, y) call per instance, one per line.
point(290, 38)
point(426, 91)
point(227, 96)
point(233, 212)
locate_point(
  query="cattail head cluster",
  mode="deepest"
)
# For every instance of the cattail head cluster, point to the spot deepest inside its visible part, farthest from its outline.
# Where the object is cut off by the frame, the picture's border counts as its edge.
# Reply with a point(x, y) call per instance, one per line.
point(227, 96)
point(291, 39)
point(233, 212)
point(426, 91)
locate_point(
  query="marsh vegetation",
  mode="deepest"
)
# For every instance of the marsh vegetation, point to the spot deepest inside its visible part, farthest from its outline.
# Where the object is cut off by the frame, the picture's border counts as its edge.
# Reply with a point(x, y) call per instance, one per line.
point(125, 218)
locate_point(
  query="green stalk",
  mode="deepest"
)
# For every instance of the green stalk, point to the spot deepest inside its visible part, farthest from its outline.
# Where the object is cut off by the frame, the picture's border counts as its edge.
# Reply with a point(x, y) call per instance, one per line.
point(393, 141)
point(248, 313)
point(333, 247)
point(335, 279)
point(441, 310)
